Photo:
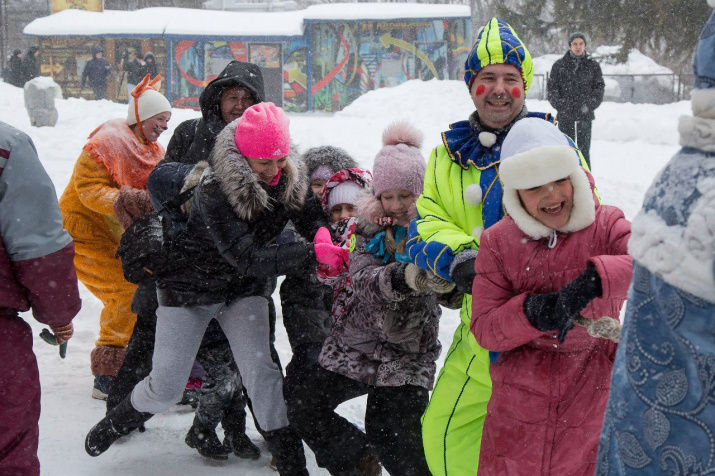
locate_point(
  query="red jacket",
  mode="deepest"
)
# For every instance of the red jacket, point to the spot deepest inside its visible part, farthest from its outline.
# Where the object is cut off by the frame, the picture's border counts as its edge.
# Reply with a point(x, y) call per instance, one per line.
point(548, 399)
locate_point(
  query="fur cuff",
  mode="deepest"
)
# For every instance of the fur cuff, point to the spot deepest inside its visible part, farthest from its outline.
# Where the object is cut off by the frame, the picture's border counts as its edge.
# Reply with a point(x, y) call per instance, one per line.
point(131, 204)
point(106, 360)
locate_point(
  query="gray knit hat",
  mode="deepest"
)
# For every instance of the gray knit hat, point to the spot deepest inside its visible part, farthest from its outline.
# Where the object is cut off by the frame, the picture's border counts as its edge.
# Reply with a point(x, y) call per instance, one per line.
point(577, 34)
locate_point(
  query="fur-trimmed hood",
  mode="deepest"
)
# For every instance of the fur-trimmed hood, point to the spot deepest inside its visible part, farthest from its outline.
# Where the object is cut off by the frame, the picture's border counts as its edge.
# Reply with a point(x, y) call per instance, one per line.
point(243, 189)
point(535, 153)
point(334, 157)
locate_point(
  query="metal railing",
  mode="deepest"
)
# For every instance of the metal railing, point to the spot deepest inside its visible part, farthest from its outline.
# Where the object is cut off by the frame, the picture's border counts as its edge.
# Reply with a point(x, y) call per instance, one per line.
point(652, 88)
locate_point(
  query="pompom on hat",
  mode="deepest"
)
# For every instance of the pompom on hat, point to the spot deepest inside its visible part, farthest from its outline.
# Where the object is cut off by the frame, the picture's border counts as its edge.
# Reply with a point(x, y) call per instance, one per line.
point(146, 101)
point(263, 132)
point(497, 43)
point(399, 164)
point(533, 154)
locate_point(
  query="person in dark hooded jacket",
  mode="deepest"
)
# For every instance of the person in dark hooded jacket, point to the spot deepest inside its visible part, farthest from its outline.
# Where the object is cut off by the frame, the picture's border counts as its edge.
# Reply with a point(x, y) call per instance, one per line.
point(235, 89)
point(96, 72)
point(221, 398)
point(30, 64)
point(15, 69)
point(305, 301)
point(254, 184)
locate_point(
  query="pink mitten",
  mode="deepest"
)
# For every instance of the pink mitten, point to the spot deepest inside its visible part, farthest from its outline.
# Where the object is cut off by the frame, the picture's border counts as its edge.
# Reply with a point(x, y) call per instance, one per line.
point(325, 271)
point(322, 236)
point(331, 255)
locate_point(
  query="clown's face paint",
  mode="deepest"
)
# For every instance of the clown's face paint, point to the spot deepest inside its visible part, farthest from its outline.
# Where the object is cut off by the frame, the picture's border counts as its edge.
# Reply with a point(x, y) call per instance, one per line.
point(498, 94)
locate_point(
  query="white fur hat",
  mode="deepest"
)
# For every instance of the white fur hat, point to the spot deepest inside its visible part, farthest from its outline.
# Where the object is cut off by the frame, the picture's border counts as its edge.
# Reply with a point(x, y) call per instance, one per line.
point(535, 153)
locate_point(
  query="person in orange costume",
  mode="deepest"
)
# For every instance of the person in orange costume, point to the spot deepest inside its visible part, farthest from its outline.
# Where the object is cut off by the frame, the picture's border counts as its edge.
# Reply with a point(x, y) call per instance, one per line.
point(110, 174)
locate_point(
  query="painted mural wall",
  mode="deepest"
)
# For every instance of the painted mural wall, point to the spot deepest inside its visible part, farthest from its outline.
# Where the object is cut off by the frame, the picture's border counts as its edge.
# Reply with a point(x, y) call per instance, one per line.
point(197, 63)
point(349, 59)
point(346, 59)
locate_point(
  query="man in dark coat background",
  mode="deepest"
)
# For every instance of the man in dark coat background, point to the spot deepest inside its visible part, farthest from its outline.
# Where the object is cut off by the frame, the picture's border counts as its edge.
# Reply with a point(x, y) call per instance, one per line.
point(575, 90)
point(14, 72)
point(96, 71)
point(30, 64)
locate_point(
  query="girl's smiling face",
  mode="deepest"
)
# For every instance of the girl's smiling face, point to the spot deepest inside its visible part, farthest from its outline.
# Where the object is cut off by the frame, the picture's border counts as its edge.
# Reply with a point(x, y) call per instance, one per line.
point(396, 203)
point(267, 169)
point(550, 204)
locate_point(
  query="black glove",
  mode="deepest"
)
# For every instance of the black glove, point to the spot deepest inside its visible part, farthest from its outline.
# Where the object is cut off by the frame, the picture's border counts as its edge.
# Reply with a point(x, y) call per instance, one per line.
point(398, 281)
point(576, 295)
point(556, 311)
point(463, 275)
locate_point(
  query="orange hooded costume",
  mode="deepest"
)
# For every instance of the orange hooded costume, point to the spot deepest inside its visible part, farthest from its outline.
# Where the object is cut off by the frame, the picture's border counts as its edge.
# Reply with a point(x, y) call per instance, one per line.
point(114, 157)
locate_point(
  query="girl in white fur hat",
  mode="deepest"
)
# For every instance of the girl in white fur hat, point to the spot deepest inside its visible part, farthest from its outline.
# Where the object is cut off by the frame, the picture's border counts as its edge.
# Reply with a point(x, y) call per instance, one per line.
point(558, 255)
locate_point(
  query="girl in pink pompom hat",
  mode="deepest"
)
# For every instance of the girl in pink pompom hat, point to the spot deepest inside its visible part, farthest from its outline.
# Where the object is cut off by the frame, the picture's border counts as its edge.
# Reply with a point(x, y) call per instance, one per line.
point(384, 343)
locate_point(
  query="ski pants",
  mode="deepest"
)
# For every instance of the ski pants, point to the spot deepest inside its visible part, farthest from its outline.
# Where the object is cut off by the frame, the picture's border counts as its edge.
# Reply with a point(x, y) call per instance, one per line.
point(19, 398)
point(179, 332)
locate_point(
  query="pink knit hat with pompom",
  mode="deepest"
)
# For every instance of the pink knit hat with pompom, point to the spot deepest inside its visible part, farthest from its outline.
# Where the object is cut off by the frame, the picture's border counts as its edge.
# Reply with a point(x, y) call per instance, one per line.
point(399, 164)
point(263, 132)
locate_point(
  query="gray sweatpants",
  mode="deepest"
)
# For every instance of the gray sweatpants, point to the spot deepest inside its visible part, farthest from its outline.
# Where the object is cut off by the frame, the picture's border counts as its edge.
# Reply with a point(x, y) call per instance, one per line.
point(179, 331)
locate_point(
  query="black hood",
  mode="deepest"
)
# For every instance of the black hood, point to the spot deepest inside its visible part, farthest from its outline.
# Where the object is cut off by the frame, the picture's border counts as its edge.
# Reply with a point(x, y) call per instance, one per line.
point(236, 73)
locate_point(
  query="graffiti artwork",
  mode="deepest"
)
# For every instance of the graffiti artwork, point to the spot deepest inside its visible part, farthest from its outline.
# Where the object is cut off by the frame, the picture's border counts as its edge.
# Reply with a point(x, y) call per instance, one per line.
point(349, 59)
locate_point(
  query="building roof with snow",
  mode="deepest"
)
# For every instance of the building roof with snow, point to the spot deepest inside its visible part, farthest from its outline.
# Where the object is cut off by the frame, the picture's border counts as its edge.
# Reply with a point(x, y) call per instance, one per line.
point(183, 22)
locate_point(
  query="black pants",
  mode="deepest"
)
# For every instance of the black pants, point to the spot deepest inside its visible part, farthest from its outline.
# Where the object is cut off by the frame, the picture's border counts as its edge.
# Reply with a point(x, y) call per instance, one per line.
point(580, 132)
point(99, 92)
point(392, 423)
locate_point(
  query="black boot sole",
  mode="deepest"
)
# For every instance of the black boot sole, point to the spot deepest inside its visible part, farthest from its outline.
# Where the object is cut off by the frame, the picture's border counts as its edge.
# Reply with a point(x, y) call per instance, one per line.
point(217, 456)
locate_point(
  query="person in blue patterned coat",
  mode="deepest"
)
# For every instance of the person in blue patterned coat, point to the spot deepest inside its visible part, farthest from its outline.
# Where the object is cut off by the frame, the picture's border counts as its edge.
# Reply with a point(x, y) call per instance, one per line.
point(660, 417)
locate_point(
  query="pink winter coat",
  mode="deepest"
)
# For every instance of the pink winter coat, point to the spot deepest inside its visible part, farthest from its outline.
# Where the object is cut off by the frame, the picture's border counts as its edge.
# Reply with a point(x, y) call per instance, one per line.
point(548, 399)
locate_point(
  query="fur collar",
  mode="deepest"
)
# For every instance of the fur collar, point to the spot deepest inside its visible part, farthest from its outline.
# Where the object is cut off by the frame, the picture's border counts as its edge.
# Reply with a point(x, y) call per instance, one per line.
point(698, 130)
point(242, 187)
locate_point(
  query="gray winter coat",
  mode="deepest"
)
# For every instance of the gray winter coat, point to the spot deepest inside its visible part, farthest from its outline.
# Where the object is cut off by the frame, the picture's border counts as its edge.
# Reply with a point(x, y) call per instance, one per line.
point(386, 339)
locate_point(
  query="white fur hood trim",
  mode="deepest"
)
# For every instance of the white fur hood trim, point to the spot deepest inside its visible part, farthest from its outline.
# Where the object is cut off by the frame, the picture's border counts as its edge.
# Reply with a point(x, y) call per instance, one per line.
point(540, 166)
point(669, 252)
point(698, 131)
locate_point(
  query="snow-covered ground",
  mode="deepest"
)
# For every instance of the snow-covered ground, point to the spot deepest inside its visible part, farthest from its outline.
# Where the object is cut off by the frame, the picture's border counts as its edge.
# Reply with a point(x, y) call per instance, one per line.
point(630, 144)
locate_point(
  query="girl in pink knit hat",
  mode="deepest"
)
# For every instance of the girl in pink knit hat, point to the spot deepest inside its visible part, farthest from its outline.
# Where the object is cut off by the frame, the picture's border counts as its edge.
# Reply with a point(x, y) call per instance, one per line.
point(255, 182)
point(385, 344)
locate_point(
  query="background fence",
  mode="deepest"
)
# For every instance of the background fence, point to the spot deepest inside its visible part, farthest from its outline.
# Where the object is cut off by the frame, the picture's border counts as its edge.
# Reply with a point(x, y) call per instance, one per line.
point(633, 88)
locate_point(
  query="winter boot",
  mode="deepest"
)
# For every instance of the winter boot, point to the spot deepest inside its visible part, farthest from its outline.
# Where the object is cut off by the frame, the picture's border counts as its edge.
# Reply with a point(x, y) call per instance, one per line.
point(369, 464)
point(122, 420)
point(287, 449)
point(241, 445)
point(102, 386)
point(206, 442)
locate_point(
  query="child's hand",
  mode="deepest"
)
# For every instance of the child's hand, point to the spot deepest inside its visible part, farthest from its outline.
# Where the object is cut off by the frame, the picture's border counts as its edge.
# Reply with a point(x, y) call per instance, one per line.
point(331, 255)
point(323, 236)
point(325, 271)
